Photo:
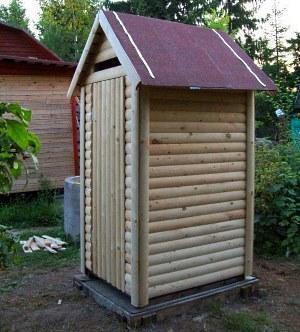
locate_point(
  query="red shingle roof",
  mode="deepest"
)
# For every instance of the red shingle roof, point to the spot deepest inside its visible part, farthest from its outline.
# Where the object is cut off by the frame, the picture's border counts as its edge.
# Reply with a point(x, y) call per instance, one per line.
point(18, 45)
point(181, 55)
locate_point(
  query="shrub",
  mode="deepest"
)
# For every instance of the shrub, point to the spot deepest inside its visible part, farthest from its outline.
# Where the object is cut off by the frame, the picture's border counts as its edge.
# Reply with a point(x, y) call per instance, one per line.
point(16, 143)
point(8, 248)
point(277, 224)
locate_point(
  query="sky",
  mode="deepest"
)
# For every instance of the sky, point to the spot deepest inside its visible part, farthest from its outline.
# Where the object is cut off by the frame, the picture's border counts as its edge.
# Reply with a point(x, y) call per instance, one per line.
point(290, 19)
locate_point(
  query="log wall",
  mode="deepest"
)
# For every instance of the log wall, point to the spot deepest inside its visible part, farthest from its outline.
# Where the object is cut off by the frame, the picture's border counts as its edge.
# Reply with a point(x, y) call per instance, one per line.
point(197, 189)
point(51, 120)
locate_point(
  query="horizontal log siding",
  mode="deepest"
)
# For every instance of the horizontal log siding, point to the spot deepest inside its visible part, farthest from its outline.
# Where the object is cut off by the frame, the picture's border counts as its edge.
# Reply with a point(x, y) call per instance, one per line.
point(108, 178)
point(51, 120)
point(128, 112)
point(197, 189)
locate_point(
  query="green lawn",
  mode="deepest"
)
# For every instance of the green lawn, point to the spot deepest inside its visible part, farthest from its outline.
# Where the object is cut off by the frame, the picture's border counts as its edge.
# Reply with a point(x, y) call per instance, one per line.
point(43, 259)
point(30, 211)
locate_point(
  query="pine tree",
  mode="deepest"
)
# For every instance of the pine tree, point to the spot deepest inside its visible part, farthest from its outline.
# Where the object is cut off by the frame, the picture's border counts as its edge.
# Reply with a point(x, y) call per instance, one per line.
point(14, 14)
point(278, 36)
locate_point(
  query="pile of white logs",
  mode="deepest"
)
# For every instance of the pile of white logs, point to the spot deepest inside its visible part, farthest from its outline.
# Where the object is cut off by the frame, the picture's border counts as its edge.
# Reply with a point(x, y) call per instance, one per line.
point(47, 243)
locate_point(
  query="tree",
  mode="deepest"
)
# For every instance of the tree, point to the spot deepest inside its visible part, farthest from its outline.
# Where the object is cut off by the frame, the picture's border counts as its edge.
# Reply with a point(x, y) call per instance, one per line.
point(240, 14)
point(15, 15)
point(64, 25)
point(294, 50)
point(16, 143)
point(278, 35)
point(217, 20)
point(191, 12)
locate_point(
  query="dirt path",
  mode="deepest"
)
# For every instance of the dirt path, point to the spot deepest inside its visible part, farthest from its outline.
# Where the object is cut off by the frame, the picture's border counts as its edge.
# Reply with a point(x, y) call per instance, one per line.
point(29, 302)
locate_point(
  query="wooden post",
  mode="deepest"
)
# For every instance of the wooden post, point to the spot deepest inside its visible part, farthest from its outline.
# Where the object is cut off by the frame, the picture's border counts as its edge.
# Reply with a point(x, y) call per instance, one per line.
point(143, 208)
point(82, 176)
point(134, 194)
point(249, 227)
point(75, 136)
point(140, 198)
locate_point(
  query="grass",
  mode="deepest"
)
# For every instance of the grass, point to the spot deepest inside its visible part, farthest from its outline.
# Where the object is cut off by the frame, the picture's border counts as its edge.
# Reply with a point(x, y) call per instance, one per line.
point(39, 260)
point(241, 321)
point(247, 322)
point(43, 259)
point(30, 210)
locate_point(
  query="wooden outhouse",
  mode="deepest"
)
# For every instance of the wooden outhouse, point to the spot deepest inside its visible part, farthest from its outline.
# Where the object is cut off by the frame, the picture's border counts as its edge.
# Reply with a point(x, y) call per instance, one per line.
point(167, 155)
point(35, 77)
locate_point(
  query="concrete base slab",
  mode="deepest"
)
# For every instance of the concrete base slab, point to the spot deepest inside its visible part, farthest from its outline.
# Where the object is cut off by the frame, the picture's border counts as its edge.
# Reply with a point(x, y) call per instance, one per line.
point(168, 305)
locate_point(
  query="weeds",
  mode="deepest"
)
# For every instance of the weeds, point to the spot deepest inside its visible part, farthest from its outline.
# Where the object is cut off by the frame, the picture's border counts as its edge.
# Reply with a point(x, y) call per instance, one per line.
point(242, 321)
point(247, 322)
point(32, 209)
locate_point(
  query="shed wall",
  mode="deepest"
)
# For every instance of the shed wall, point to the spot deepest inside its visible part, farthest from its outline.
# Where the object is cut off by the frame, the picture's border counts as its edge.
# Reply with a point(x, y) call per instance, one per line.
point(51, 120)
point(197, 188)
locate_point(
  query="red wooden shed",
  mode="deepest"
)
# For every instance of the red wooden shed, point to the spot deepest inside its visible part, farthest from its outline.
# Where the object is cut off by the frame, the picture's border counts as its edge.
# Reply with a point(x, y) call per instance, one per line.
point(38, 79)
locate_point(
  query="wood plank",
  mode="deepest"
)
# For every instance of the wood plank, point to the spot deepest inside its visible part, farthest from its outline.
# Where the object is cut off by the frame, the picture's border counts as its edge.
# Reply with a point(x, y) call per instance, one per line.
point(194, 148)
point(103, 180)
point(143, 205)
point(118, 162)
point(196, 127)
point(106, 74)
point(94, 179)
point(250, 183)
point(112, 180)
point(195, 281)
point(122, 185)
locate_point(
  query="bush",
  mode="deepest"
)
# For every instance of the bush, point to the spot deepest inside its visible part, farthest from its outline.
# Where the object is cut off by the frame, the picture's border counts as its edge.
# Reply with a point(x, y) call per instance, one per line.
point(16, 143)
point(8, 248)
point(277, 224)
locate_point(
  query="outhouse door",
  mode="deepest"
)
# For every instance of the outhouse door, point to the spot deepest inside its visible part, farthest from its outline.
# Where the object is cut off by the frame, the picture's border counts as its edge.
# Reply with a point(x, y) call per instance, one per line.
point(104, 182)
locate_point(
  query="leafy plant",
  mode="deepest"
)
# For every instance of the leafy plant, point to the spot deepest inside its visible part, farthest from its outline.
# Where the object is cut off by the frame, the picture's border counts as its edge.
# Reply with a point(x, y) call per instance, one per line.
point(8, 248)
point(278, 199)
point(17, 143)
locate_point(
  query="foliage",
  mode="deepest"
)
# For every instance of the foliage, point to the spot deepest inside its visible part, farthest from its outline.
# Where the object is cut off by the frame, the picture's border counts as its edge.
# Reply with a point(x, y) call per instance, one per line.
point(8, 248)
point(280, 60)
point(238, 13)
point(32, 210)
point(277, 228)
point(64, 25)
point(17, 143)
point(293, 47)
point(217, 20)
point(14, 14)
point(270, 125)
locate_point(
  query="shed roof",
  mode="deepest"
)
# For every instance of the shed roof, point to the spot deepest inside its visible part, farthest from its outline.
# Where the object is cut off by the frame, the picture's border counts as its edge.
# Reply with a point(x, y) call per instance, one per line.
point(19, 46)
point(171, 54)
